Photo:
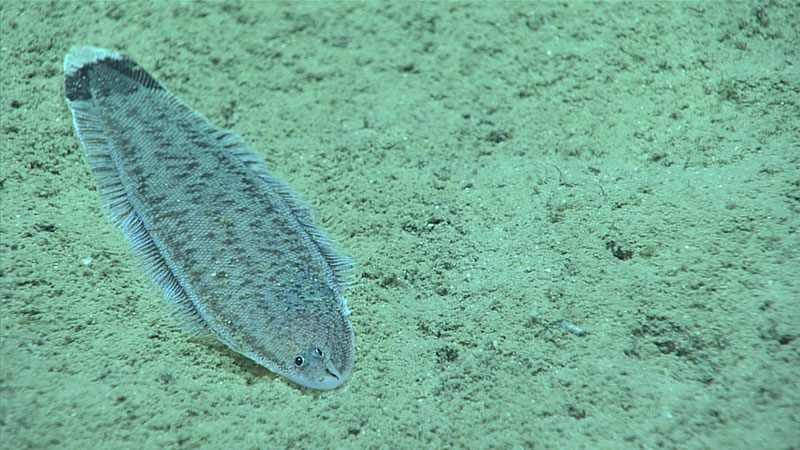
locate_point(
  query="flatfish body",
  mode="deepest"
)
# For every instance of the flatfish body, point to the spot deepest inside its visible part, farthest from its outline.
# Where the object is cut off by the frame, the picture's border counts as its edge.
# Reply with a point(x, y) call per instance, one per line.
point(233, 249)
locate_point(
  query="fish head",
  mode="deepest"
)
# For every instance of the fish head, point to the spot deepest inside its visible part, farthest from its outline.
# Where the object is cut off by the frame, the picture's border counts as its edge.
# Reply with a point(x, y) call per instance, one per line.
point(322, 356)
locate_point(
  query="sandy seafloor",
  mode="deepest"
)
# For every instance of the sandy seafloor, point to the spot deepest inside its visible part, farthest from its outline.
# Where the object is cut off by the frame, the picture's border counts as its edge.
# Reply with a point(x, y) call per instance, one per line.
point(494, 169)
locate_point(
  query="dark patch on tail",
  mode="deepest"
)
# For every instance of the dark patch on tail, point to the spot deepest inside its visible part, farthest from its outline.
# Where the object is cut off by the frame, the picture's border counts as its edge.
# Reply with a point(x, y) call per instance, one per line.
point(77, 84)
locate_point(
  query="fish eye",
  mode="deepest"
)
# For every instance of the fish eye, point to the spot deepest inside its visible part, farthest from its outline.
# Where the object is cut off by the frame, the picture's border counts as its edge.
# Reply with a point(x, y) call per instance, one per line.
point(299, 361)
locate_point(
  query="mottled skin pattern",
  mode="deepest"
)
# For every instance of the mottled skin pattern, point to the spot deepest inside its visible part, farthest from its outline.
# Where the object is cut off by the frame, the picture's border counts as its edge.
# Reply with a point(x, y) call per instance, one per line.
point(228, 243)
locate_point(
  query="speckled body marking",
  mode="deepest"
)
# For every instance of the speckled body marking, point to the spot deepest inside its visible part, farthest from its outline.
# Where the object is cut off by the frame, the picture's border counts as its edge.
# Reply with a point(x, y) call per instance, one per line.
point(232, 247)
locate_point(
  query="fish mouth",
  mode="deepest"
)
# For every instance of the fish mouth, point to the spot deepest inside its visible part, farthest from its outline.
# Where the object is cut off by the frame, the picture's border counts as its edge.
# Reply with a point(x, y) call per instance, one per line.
point(332, 377)
point(331, 370)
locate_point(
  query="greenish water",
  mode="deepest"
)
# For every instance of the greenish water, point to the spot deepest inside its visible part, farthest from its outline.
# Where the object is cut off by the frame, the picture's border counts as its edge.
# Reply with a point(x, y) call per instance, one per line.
point(628, 168)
